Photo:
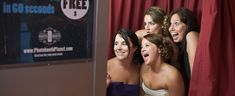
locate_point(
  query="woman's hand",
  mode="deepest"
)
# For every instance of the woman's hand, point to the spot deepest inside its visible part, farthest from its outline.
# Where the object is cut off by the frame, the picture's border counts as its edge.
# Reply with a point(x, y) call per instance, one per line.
point(108, 80)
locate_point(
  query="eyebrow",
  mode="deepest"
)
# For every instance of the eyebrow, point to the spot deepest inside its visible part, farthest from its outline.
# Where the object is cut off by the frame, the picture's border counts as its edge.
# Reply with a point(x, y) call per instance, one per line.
point(175, 21)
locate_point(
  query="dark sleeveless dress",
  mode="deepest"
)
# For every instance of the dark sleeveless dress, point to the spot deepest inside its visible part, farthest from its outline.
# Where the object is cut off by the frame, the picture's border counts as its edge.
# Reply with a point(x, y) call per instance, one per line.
point(121, 89)
point(185, 70)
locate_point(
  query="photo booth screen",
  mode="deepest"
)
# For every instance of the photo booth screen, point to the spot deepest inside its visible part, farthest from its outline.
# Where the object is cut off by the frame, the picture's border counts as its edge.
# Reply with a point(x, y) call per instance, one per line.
point(45, 30)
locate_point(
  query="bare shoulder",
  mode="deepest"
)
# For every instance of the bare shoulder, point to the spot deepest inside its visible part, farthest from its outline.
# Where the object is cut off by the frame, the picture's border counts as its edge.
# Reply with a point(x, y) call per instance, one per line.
point(192, 35)
point(172, 72)
point(110, 62)
point(191, 40)
point(175, 82)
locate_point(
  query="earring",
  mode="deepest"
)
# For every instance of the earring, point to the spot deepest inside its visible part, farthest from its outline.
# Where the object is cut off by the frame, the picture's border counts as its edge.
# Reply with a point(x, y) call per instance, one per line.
point(159, 51)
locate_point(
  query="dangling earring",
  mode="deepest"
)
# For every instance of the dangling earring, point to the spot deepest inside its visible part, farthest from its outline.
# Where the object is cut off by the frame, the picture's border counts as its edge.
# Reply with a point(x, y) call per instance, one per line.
point(159, 51)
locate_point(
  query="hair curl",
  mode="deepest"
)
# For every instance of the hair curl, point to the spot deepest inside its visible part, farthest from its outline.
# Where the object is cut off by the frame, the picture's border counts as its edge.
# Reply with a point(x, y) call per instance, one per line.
point(163, 44)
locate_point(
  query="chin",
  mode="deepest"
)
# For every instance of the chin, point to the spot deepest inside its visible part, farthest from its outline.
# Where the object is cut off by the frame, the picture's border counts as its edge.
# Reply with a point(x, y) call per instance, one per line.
point(146, 63)
point(176, 41)
point(120, 57)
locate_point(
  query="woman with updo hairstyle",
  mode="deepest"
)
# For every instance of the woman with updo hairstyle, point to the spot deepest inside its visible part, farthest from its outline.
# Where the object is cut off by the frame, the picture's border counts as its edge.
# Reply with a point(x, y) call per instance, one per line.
point(155, 22)
point(159, 78)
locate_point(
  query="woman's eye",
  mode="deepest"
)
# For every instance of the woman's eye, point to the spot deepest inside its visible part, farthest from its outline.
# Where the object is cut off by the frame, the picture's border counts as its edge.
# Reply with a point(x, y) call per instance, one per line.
point(177, 23)
point(123, 43)
point(146, 45)
point(115, 43)
point(152, 23)
point(145, 24)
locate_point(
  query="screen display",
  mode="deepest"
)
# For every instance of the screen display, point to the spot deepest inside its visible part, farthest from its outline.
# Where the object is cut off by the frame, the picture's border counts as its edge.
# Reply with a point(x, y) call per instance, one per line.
point(45, 30)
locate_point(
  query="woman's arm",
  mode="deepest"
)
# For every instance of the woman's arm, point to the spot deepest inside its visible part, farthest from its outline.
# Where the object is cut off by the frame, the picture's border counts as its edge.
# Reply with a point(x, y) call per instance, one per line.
point(175, 84)
point(108, 80)
point(141, 33)
point(192, 39)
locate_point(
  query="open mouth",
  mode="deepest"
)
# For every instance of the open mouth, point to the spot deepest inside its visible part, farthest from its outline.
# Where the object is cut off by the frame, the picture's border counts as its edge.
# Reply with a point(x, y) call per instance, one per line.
point(174, 35)
point(145, 55)
point(119, 53)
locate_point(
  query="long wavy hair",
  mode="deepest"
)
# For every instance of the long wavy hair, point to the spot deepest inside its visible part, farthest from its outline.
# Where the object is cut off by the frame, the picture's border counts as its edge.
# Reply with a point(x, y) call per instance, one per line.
point(188, 18)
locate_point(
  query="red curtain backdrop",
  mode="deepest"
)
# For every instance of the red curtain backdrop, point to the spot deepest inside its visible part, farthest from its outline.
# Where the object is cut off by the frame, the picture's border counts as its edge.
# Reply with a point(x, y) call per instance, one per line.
point(214, 71)
point(130, 13)
point(214, 65)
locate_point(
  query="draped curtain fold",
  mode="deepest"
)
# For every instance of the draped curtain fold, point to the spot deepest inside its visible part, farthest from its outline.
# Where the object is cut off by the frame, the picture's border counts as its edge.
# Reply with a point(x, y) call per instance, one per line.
point(214, 71)
point(214, 65)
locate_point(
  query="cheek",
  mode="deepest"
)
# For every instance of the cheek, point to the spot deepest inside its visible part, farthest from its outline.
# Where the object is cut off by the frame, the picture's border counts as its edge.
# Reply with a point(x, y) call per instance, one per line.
point(182, 30)
point(153, 50)
point(145, 27)
point(155, 28)
point(126, 50)
point(114, 48)
point(152, 27)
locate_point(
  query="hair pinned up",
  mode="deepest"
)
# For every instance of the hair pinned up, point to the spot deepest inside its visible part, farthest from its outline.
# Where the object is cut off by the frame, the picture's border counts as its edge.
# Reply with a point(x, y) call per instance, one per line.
point(165, 24)
point(164, 45)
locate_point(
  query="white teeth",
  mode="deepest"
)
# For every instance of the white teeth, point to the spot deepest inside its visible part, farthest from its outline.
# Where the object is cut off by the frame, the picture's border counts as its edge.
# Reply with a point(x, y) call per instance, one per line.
point(174, 34)
point(119, 53)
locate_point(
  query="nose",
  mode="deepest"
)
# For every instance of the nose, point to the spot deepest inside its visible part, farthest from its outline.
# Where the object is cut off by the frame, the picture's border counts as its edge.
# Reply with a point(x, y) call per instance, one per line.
point(147, 26)
point(119, 46)
point(171, 28)
point(142, 49)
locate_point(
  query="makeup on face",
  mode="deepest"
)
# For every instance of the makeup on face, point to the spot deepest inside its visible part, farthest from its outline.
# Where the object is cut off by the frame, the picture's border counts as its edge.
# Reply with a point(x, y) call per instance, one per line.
point(177, 28)
point(150, 25)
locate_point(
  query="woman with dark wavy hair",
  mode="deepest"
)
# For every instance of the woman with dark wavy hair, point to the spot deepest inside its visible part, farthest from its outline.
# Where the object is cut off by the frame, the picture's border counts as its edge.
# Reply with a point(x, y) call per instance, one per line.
point(185, 33)
point(123, 69)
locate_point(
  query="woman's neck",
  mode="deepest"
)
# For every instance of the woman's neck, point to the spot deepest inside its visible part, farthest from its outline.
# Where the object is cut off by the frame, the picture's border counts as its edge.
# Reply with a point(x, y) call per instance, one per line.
point(156, 66)
point(125, 63)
